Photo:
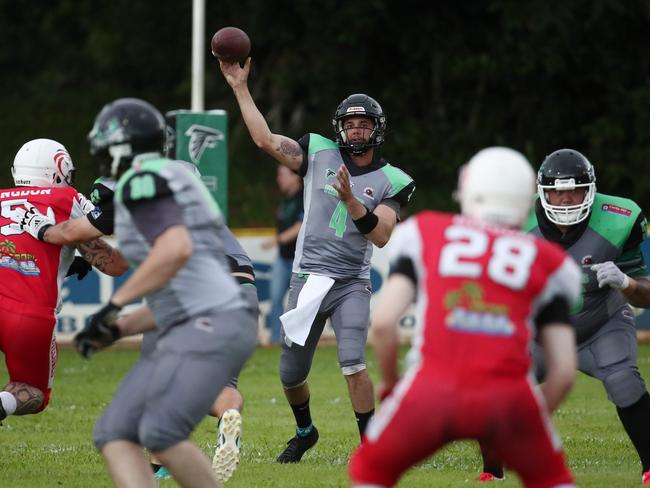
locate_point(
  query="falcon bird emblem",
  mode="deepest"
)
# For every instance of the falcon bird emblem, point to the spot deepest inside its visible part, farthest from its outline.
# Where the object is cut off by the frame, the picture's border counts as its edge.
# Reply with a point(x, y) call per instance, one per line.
point(202, 138)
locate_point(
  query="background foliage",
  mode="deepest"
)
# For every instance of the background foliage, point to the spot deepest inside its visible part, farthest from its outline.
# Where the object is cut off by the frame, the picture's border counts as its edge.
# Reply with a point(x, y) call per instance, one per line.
point(452, 76)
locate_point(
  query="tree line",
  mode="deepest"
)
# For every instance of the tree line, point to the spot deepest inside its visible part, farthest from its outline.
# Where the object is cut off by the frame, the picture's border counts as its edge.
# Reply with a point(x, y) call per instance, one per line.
point(452, 78)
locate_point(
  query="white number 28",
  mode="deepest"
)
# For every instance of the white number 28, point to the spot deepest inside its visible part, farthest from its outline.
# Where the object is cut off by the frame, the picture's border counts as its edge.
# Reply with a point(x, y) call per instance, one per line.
point(509, 263)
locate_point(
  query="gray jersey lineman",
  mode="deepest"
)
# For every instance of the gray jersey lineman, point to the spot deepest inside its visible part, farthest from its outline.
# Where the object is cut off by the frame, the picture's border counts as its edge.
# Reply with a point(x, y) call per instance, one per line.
point(613, 232)
point(603, 234)
point(206, 329)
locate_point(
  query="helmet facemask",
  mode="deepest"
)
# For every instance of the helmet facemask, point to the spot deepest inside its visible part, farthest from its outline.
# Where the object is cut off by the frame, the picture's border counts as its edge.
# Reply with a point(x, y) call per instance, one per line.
point(566, 170)
point(567, 214)
point(361, 106)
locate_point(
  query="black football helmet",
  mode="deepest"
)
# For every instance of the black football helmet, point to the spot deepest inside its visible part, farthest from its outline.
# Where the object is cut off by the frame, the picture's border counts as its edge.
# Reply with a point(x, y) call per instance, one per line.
point(566, 169)
point(124, 128)
point(359, 104)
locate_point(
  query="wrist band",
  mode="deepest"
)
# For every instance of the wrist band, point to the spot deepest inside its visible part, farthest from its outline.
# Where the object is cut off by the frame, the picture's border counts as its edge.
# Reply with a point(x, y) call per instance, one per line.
point(42, 231)
point(367, 223)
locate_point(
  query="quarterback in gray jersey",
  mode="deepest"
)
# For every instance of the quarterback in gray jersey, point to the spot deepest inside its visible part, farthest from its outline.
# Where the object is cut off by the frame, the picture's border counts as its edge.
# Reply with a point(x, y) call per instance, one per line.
point(168, 227)
point(352, 200)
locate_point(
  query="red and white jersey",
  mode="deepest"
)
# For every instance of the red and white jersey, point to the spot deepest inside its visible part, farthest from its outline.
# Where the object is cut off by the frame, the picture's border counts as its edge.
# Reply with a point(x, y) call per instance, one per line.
point(32, 271)
point(478, 289)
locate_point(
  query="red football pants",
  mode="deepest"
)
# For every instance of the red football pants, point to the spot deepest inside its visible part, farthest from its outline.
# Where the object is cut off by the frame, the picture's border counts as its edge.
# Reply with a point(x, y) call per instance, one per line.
point(29, 345)
point(427, 411)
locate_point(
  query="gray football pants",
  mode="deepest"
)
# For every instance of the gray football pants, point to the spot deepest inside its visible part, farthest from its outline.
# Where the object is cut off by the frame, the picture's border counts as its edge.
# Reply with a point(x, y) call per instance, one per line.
point(250, 296)
point(347, 305)
point(169, 391)
point(610, 356)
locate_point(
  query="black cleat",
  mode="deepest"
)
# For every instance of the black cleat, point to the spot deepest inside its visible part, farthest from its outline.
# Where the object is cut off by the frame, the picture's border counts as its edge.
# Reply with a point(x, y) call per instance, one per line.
point(297, 446)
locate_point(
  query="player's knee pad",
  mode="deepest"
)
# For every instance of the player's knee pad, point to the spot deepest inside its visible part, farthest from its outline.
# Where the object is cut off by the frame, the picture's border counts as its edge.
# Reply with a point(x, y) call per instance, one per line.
point(350, 369)
point(293, 370)
point(624, 387)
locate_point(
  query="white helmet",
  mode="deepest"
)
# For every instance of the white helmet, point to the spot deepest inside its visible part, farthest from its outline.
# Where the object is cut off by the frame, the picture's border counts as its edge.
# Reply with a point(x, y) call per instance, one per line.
point(497, 186)
point(43, 162)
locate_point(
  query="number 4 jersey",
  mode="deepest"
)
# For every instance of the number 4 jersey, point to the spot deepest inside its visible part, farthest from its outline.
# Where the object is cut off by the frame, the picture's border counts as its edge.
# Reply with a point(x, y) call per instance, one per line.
point(32, 271)
point(329, 243)
point(480, 291)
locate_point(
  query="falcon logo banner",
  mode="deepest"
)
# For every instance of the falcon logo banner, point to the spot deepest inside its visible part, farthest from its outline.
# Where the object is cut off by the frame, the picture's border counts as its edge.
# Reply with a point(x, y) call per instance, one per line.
point(202, 138)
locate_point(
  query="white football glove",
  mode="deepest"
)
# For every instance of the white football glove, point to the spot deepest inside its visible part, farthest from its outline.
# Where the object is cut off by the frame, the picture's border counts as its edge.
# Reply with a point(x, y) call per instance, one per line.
point(608, 274)
point(32, 221)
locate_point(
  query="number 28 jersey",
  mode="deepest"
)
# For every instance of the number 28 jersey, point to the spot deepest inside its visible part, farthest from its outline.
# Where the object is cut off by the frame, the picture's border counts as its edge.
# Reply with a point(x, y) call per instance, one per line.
point(479, 290)
point(32, 271)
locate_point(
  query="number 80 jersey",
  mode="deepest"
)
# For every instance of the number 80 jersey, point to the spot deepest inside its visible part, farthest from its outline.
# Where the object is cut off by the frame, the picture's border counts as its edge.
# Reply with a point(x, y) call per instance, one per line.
point(479, 289)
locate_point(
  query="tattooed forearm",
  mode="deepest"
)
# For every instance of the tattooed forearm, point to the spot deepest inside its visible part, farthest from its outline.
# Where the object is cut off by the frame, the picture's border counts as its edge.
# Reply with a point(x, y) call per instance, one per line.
point(28, 398)
point(289, 148)
point(103, 256)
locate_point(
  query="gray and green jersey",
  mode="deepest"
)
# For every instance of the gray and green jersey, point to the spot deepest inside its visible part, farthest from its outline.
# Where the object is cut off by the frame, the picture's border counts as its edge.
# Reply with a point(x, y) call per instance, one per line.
point(329, 243)
point(154, 195)
point(613, 232)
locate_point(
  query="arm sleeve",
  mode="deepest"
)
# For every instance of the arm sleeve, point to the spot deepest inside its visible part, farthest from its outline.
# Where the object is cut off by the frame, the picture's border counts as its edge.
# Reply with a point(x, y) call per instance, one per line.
point(155, 210)
point(303, 142)
point(404, 266)
point(103, 219)
point(405, 249)
point(557, 310)
point(631, 260)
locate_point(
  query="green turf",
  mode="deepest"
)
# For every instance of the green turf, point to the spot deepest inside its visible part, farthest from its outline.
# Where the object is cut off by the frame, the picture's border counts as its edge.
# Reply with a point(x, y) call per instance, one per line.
point(53, 449)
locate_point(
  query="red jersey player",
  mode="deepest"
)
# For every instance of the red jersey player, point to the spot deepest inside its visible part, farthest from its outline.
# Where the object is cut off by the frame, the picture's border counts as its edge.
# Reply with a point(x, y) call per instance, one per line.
point(31, 272)
point(482, 291)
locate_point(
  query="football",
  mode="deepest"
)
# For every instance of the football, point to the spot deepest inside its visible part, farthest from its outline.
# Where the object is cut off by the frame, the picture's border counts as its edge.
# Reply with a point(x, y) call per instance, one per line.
point(231, 44)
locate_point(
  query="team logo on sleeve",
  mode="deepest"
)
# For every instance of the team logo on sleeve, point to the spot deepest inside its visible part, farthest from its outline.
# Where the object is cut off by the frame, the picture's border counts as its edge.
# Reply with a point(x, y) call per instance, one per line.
point(201, 139)
point(608, 207)
point(330, 173)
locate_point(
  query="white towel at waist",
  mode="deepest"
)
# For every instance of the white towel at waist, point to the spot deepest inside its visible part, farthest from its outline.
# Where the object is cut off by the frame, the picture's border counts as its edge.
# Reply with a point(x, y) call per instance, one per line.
point(297, 322)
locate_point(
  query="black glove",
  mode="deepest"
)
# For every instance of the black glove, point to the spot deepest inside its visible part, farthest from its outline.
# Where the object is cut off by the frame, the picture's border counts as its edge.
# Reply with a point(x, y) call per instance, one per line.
point(79, 267)
point(100, 332)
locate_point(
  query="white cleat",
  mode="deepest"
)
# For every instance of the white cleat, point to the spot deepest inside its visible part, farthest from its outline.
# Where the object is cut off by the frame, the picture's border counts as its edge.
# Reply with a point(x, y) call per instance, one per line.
point(226, 456)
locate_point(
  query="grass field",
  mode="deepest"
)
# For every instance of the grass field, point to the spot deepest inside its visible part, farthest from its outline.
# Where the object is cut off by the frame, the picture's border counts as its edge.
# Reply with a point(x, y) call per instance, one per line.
point(53, 449)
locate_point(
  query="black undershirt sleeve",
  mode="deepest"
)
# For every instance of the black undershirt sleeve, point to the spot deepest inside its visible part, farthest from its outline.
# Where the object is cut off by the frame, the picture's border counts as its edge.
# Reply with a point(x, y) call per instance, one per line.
point(557, 310)
point(404, 266)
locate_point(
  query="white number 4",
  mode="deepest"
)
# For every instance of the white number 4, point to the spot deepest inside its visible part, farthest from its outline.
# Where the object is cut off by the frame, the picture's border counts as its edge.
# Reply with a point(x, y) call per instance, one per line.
point(509, 264)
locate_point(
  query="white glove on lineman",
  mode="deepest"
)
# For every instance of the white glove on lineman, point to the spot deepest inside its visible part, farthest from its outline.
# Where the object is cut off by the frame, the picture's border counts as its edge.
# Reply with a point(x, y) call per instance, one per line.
point(607, 273)
point(32, 221)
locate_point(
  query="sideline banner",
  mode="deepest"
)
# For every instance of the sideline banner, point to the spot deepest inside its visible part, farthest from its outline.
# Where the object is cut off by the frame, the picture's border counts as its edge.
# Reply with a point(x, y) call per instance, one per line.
point(83, 298)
